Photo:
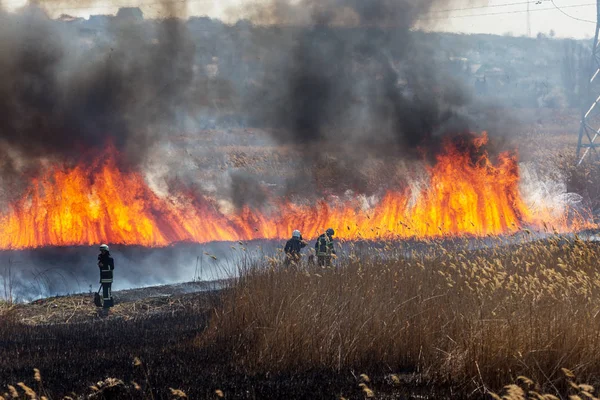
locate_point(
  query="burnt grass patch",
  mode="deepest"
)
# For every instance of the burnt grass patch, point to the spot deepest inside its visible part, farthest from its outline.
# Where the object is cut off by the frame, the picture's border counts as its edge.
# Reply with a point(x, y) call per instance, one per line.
point(74, 357)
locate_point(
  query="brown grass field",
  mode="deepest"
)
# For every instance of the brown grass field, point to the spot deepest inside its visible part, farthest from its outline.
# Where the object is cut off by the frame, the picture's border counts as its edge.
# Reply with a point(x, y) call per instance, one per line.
point(478, 319)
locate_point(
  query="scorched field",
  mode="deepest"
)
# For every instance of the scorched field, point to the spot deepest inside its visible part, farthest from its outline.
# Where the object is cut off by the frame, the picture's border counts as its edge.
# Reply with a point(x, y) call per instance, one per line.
point(457, 256)
point(512, 314)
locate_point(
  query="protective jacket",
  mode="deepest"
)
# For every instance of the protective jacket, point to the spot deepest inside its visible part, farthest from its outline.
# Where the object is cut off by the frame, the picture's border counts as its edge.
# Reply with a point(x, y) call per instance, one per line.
point(293, 246)
point(107, 266)
point(324, 246)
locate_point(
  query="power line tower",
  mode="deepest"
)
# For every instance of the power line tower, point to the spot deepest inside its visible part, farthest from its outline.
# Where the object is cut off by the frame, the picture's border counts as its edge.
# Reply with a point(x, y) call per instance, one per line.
point(589, 129)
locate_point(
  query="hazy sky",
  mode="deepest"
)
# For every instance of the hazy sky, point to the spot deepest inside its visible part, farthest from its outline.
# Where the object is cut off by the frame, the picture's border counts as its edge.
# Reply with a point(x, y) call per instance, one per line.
point(499, 18)
point(471, 16)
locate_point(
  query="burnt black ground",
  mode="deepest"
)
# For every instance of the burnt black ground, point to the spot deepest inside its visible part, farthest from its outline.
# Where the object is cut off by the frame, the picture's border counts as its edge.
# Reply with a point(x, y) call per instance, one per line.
point(74, 356)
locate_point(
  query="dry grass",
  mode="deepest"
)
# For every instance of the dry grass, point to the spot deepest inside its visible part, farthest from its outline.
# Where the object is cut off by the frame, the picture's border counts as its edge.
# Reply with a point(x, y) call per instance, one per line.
point(451, 319)
point(108, 388)
point(476, 317)
point(111, 388)
point(526, 389)
point(8, 315)
point(129, 305)
point(80, 308)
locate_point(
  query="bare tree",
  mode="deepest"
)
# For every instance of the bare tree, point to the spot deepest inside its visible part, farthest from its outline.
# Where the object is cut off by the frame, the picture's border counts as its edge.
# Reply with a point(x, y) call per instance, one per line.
point(573, 71)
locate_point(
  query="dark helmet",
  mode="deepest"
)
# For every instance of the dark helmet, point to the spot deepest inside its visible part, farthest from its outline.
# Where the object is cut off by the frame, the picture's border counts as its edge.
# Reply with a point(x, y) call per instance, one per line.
point(330, 232)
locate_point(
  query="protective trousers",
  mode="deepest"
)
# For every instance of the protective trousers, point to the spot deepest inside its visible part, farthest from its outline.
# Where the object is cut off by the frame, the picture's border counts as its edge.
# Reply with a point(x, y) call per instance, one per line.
point(107, 300)
point(324, 261)
point(292, 260)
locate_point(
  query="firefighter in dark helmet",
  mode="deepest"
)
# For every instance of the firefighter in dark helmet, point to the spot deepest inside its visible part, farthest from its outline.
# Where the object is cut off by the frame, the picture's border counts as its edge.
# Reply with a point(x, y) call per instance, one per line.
point(293, 247)
point(324, 248)
point(106, 265)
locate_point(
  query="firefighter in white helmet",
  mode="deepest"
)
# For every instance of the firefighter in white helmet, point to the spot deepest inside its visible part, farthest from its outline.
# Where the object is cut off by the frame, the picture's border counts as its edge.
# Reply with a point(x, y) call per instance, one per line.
point(293, 247)
point(106, 265)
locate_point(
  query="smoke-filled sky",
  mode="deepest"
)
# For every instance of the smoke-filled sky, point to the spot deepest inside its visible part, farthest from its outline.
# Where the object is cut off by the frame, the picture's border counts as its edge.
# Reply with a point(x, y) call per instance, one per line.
point(345, 98)
point(62, 98)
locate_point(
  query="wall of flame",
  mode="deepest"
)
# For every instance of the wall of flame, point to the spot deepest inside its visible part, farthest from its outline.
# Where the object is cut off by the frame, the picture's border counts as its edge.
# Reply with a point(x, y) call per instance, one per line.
point(90, 204)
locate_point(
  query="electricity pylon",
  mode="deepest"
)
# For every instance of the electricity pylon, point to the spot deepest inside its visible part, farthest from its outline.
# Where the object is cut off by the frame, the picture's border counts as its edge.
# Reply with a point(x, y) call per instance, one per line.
point(589, 129)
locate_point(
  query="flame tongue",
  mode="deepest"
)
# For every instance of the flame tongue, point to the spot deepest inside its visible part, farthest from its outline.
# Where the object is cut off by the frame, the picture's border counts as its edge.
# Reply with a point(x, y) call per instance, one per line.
point(467, 197)
point(72, 207)
point(83, 206)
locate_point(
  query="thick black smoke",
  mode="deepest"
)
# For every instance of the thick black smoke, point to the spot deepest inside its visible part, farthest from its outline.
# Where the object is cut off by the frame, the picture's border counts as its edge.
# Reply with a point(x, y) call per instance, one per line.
point(66, 95)
point(346, 82)
point(357, 87)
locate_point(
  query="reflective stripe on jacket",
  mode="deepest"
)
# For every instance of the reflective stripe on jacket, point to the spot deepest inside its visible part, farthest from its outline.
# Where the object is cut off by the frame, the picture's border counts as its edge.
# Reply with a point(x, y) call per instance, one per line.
point(324, 246)
point(107, 267)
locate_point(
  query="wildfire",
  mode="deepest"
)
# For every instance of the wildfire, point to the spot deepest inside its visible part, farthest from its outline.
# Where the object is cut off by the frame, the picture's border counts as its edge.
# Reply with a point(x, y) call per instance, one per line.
point(99, 203)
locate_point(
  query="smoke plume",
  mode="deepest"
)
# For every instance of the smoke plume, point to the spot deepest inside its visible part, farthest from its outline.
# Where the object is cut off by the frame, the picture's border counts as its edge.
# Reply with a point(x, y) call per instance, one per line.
point(356, 87)
point(345, 82)
point(65, 95)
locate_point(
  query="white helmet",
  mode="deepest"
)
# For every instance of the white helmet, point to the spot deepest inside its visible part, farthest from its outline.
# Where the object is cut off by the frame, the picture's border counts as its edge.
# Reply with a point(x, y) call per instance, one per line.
point(296, 233)
point(104, 247)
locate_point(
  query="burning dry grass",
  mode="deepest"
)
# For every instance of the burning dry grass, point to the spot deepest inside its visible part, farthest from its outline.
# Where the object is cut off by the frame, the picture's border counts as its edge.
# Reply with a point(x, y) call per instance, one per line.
point(479, 318)
point(268, 198)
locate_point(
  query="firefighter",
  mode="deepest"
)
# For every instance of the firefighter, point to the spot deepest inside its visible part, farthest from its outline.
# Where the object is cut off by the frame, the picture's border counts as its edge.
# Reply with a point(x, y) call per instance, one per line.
point(293, 247)
point(106, 265)
point(324, 248)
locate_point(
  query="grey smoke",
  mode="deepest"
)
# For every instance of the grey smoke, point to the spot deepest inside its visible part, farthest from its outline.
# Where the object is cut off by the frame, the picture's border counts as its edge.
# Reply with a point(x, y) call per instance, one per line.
point(346, 82)
point(36, 273)
point(357, 87)
point(62, 97)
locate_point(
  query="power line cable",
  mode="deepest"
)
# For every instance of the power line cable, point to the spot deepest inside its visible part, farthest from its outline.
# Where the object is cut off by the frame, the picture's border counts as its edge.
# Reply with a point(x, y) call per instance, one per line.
point(508, 12)
point(424, 18)
point(488, 6)
point(570, 16)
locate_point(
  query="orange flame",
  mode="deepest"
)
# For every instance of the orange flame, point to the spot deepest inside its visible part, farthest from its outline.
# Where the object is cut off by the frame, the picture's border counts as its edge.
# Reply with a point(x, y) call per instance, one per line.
point(90, 205)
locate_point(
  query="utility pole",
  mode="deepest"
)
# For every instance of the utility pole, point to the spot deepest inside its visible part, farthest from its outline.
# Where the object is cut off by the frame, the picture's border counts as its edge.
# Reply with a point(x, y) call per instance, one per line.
point(589, 129)
point(528, 21)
